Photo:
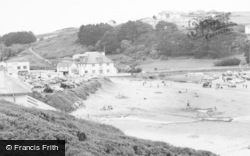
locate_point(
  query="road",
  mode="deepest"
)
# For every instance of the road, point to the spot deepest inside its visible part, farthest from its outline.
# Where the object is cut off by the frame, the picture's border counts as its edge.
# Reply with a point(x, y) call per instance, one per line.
point(38, 56)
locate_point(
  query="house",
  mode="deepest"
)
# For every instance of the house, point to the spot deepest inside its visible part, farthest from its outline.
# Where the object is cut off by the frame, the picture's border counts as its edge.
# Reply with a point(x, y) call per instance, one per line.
point(94, 63)
point(16, 91)
point(247, 29)
point(18, 67)
point(67, 68)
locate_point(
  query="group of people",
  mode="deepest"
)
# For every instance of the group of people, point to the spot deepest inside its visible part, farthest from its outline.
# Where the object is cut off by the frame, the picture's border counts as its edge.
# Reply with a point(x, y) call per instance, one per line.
point(158, 85)
point(108, 108)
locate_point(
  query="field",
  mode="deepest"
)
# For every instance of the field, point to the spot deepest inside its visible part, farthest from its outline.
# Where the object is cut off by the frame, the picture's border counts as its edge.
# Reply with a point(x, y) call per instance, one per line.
point(161, 113)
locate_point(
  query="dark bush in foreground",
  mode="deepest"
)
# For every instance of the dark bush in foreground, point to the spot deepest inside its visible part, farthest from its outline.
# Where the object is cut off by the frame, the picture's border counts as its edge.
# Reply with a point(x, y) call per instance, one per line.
point(83, 138)
point(227, 62)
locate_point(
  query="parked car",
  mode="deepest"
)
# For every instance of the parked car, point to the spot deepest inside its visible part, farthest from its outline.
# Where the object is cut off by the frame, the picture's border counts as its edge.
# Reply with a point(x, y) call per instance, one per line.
point(57, 88)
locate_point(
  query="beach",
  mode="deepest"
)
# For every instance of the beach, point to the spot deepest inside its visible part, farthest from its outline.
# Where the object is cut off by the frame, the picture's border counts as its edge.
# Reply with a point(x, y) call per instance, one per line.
point(158, 111)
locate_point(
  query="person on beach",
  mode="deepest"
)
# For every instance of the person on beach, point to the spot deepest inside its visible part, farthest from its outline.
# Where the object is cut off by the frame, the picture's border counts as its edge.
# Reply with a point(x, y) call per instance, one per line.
point(188, 105)
point(215, 108)
point(196, 95)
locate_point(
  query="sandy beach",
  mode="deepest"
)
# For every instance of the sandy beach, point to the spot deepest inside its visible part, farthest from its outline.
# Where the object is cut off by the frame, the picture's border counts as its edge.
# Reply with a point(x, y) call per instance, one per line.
point(161, 114)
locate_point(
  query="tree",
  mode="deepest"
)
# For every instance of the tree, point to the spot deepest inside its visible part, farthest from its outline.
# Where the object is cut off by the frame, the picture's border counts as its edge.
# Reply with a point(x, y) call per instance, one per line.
point(91, 33)
point(110, 41)
point(18, 38)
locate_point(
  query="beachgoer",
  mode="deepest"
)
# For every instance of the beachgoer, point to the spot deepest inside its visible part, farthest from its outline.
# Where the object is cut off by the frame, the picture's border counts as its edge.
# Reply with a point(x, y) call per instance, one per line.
point(188, 105)
point(196, 95)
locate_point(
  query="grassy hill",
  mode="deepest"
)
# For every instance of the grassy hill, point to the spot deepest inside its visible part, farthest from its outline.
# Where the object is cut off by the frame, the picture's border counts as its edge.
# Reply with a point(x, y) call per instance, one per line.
point(61, 43)
point(64, 43)
point(18, 122)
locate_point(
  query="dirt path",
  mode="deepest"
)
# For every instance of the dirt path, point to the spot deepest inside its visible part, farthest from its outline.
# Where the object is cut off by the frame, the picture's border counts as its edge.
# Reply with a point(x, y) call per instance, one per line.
point(38, 56)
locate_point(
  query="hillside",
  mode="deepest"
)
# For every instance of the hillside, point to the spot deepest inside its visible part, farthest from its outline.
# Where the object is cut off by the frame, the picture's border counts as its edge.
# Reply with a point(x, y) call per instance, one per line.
point(24, 123)
point(64, 43)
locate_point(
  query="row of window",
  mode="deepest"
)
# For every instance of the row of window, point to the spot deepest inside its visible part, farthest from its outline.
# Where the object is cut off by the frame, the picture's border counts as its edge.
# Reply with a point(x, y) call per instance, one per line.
point(100, 71)
point(19, 67)
point(100, 64)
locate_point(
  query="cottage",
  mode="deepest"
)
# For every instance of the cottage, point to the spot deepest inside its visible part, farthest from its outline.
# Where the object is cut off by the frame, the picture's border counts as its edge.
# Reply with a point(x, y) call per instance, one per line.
point(94, 63)
point(18, 67)
point(67, 68)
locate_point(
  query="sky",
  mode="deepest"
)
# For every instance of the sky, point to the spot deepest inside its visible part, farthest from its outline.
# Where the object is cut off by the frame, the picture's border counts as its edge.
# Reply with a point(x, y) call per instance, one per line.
point(44, 16)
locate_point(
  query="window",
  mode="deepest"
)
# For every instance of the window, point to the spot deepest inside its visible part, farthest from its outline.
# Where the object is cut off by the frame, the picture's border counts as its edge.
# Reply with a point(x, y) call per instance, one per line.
point(18, 67)
point(86, 71)
point(100, 71)
point(107, 64)
point(93, 65)
point(93, 71)
point(100, 64)
point(107, 70)
point(24, 67)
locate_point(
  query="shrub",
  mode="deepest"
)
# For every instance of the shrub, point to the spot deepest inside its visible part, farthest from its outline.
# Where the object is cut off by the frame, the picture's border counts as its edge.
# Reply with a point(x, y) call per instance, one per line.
point(136, 70)
point(228, 62)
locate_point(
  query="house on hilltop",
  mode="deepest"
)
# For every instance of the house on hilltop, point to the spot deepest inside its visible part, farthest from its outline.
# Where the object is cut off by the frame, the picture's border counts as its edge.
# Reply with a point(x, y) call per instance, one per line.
point(94, 63)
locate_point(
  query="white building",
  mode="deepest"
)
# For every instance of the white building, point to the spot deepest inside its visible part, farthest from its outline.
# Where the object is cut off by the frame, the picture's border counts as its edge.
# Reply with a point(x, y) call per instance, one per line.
point(15, 68)
point(16, 91)
point(67, 68)
point(94, 63)
point(247, 29)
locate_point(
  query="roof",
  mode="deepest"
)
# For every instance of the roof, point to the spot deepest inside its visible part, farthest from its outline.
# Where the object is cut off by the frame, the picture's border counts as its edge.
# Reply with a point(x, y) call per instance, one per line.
point(94, 58)
point(65, 64)
point(10, 85)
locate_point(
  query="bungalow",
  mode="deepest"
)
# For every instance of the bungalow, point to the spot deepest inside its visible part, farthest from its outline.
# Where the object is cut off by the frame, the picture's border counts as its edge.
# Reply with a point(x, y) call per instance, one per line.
point(94, 63)
point(67, 68)
point(16, 91)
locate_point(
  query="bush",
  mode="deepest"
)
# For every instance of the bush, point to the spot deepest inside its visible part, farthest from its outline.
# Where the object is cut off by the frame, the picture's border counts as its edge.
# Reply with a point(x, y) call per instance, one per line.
point(228, 62)
point(136, 70)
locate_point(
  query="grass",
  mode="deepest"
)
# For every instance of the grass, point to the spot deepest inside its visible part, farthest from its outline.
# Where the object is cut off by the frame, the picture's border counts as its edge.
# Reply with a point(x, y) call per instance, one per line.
point(63, 44)
point(18, 122)
point(65, 100)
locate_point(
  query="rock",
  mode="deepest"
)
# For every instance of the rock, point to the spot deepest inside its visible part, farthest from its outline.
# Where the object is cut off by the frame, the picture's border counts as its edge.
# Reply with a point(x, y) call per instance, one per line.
point(81, 136)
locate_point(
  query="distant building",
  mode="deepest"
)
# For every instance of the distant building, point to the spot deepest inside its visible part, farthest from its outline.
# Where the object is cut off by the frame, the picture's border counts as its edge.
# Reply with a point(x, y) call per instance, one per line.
point(18, 67)
point(247, 29)
point(94, 63)
point(67, 68)
point(15, 68)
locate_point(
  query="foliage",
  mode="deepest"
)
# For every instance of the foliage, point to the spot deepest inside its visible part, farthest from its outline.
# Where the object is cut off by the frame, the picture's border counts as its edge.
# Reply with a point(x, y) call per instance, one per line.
point(11, 51)
point(18, 38)
point(91, 33)
point(18, 122)
point(65, 100)
point(110, 41)
point(228, 62)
